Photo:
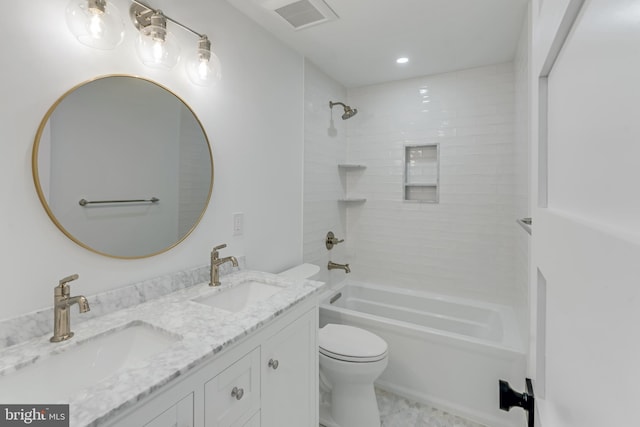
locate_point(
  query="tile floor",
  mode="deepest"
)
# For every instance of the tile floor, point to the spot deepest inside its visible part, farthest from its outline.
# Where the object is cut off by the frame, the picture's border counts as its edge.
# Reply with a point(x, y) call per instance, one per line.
point(396, 411)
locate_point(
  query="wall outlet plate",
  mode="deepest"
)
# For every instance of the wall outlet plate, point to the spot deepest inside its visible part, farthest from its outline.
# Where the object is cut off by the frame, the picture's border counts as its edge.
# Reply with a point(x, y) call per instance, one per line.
point(238, 224)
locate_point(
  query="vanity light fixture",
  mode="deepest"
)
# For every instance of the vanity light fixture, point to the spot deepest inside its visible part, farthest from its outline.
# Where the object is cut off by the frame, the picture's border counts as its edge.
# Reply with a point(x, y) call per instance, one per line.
point(95, 23)
point(203, 66)
point(157, 47)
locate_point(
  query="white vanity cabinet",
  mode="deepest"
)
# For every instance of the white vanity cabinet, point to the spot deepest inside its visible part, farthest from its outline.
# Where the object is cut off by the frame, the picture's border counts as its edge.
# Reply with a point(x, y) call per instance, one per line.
point(178, 415)
point(289, 372)
point(233, 395)
point(268, 379)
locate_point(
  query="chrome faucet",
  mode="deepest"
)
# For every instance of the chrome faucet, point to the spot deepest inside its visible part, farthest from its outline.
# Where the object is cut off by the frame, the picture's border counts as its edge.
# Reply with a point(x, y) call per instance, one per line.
point(335, 266)
point(61, 303)
point(216, 262)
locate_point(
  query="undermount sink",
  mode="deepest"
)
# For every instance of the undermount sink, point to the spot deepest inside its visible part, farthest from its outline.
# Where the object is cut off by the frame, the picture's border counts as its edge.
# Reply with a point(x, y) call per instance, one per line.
point(58, 375)
point(240, 296)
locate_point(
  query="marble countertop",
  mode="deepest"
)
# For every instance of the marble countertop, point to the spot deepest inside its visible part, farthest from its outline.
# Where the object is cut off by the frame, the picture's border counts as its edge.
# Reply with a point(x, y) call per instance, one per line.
point(203, 331)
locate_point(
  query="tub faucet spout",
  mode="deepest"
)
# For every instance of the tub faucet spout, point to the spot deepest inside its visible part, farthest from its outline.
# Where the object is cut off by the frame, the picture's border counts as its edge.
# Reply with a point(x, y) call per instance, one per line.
point(335, 266)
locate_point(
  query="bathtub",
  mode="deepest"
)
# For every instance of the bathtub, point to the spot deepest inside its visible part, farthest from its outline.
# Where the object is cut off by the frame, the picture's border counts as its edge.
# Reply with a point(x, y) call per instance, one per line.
point(444, 351)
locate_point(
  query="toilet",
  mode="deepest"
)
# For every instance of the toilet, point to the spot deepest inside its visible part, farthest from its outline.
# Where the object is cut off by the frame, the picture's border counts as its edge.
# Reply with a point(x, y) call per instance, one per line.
point(351, 359)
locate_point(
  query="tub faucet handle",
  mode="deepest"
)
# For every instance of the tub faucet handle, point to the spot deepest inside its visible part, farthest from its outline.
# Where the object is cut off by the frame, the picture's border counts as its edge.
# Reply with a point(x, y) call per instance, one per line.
point(332, 240)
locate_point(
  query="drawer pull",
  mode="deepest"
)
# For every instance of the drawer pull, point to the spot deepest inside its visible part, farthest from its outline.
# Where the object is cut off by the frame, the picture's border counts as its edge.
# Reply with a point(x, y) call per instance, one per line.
point(273, 363)
point(237, 393)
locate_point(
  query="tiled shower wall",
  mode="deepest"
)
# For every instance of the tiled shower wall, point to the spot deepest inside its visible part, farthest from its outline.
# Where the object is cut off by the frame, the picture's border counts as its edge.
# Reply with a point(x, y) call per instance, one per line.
point(522, 176)
point(325, 146)
point(465, 244)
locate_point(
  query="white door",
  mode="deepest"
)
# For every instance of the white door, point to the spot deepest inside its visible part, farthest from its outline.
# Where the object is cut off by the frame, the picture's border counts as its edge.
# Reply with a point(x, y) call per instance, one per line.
point(586, 231)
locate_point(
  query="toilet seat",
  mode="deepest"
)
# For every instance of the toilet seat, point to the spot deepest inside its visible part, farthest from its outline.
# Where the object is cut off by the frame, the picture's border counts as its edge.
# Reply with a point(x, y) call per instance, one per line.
point(351, 344)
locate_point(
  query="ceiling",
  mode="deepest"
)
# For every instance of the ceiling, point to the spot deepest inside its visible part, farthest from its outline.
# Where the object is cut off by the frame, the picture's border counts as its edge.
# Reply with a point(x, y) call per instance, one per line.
point(360, 46)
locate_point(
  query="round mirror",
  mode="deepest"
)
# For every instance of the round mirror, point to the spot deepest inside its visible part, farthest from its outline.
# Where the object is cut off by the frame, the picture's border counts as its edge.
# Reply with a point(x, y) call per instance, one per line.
point(123, 167)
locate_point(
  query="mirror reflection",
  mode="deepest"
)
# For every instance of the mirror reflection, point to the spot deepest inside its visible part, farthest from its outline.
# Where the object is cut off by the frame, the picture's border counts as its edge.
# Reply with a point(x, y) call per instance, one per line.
point(137, 156)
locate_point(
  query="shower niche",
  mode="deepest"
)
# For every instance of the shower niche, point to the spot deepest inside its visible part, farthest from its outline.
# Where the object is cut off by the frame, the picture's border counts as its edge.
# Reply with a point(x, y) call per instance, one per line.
point(421, 173)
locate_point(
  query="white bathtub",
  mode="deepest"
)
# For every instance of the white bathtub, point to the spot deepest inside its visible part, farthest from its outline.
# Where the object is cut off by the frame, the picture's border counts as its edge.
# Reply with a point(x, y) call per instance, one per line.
point(445, 351)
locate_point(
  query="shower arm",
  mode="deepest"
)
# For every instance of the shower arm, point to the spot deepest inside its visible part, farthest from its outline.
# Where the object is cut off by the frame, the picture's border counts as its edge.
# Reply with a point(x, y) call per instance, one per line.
point(348, 111)
point(331, 104)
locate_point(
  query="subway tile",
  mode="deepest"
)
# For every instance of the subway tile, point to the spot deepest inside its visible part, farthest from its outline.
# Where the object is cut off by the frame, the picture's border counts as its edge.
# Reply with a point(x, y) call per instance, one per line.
point(463, 244)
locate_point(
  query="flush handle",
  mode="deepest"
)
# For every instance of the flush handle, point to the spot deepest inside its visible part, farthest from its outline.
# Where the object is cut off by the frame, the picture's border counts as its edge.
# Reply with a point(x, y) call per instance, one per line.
point(237, 393)
point(273, 364)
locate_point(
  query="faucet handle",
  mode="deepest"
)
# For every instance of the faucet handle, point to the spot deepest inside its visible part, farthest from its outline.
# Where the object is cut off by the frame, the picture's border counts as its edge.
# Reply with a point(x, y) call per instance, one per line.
point(214, 251)
point(62, 289)
point(332, 240)
point(63, 282)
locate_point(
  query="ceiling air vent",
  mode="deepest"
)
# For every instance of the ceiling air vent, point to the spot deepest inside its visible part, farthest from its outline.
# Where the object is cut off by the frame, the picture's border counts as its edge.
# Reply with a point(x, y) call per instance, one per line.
point(304, 13)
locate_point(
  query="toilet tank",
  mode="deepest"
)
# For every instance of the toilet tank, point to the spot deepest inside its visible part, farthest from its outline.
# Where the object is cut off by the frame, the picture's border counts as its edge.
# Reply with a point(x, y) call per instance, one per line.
point(301, 272)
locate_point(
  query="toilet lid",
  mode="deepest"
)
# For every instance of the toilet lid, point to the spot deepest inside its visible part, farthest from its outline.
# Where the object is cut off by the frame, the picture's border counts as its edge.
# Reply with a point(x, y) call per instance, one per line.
point(348, 343)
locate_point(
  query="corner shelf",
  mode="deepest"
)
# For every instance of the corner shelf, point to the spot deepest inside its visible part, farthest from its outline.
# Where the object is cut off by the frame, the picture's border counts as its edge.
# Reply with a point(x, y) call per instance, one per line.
point(352, 200)
point(348, 167)
point(421, 184)
point(525, 223)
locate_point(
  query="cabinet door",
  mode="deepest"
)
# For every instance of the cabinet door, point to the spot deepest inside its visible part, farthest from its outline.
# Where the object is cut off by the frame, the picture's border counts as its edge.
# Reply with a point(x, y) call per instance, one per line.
point(179, 415)
point(234, 394)
point(254, 421)
point(290, 375)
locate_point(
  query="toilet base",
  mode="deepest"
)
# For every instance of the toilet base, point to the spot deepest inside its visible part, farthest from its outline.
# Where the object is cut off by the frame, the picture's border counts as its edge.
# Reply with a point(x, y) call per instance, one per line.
point(348, 374)
point(325, 416)
point(355, 405)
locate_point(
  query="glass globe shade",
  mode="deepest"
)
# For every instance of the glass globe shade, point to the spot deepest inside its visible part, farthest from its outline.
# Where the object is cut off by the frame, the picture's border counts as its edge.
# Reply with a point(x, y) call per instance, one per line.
point(93, 27)
point(203, 71)
point(155, 51)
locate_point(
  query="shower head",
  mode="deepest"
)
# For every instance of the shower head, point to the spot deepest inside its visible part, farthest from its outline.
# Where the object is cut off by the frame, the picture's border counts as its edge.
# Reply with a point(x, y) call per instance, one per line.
point(348, 111)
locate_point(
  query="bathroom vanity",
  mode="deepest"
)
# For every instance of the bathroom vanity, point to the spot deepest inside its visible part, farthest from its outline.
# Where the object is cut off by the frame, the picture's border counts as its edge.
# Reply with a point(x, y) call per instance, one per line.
point(241, 354)
point(269, 379)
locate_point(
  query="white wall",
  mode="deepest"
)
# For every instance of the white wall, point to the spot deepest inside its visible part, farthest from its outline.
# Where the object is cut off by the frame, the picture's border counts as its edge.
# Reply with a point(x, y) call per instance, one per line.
point(325, 146)
point(465, 244)
point(254, 122)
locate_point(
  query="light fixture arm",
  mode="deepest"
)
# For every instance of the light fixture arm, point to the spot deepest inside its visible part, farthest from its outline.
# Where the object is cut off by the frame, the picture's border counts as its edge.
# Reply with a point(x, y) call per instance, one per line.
point(141, 14)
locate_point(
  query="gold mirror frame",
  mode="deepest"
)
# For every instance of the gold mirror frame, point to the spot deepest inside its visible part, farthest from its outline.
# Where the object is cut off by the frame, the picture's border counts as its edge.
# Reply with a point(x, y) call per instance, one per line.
point(40, 192)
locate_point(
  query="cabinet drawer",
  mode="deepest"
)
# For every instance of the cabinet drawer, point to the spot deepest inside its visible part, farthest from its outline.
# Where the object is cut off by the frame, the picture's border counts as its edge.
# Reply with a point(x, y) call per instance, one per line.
point(234, 393)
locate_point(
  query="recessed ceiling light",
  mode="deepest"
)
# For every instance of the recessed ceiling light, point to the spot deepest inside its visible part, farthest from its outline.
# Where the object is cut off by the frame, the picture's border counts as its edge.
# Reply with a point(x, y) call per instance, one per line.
point(402, 60)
